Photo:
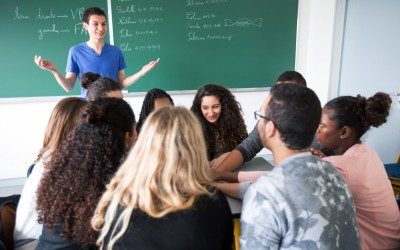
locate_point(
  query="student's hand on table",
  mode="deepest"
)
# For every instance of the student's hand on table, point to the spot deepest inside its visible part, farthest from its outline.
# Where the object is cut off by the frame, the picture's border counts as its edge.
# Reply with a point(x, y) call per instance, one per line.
point(317, 153)
point(217, 161)
point(146, 68)
point(44, 64)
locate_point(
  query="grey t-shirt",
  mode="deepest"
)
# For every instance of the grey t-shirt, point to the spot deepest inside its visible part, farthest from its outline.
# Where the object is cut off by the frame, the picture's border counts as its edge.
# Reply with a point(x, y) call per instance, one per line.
point(304, 203)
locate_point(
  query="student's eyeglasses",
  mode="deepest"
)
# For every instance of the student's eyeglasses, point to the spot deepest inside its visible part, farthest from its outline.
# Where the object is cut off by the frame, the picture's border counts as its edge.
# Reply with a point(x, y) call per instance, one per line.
point(258, 115)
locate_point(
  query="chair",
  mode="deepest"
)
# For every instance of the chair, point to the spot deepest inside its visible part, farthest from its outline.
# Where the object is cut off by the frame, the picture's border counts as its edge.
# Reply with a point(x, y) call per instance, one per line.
point(393, 172)
point(8, 209)
point(236, 233)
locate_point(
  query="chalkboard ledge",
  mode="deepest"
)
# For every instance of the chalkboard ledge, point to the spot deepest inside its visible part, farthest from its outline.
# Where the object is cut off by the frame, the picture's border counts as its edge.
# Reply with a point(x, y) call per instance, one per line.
point(36, 99)
point(191, 92)
point(43, 99)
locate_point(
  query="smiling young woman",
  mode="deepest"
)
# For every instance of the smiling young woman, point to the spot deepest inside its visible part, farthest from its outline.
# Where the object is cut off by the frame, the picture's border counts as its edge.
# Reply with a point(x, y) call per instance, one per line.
point(221, 118)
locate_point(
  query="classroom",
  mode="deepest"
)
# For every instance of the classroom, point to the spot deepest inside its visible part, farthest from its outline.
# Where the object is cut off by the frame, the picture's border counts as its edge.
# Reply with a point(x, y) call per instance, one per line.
point(343, 47)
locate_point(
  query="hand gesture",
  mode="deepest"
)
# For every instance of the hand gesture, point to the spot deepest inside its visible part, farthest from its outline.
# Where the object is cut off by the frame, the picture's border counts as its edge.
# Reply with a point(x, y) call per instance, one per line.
point(146, 68)
point(45, 64)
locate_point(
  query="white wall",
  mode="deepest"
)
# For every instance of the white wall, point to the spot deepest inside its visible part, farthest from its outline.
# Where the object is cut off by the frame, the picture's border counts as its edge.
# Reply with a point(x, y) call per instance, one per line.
point(24, 119)
point(370, 63)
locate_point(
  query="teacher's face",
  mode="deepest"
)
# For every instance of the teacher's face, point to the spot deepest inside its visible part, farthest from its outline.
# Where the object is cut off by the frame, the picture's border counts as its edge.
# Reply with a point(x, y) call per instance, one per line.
point(211, 108)
point(97, 26)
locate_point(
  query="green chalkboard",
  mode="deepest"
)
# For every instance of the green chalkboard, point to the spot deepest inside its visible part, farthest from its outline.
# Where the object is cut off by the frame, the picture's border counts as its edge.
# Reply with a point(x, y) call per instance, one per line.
point(236, 43)
point(43, 27)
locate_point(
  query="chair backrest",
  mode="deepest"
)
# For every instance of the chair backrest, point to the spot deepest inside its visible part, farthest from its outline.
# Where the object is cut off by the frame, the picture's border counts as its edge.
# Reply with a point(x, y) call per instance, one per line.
point(30, 169)
point(8, 209)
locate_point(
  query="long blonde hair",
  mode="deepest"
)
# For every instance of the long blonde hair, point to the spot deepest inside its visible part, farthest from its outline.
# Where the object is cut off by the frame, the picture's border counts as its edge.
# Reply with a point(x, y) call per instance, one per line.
point(166, 171)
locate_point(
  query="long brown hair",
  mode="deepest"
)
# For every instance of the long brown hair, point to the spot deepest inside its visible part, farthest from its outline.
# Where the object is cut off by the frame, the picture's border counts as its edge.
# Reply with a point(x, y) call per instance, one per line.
point(63, 119)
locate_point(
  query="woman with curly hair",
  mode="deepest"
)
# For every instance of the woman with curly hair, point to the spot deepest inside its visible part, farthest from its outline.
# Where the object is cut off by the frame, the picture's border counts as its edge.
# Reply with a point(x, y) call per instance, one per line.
point(63, 119)
point(344, 121)
point(221, 118)
point(162, 196)
point(98, 86)
point(154, 99)
point(78, 172)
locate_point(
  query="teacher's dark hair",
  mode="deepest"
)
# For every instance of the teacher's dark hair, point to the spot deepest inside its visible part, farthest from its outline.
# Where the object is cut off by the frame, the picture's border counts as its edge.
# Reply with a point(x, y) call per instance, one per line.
point(92, 11)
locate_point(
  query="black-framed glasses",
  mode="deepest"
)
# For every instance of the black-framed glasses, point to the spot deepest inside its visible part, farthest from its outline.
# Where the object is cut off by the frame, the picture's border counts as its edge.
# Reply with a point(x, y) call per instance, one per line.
point(258, 115)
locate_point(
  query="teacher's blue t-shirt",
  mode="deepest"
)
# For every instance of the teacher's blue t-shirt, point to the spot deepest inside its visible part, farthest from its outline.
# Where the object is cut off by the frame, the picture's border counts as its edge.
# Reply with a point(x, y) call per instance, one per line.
point(82, 59)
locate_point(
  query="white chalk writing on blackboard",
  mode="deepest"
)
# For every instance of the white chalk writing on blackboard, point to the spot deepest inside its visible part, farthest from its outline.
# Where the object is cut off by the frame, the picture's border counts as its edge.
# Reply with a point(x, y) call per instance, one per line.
point(19, 16)
point(53, 29)
point(192, 3)
point(50, 15)
point(125, 33)
point(243, 22)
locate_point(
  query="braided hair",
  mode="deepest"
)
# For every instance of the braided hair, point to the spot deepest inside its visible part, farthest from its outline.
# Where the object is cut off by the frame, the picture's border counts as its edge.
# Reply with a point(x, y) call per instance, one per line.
point(148, 105)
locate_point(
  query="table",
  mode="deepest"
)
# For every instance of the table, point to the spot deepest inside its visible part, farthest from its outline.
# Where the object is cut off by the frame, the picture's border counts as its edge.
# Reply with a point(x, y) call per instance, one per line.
point(256, 164)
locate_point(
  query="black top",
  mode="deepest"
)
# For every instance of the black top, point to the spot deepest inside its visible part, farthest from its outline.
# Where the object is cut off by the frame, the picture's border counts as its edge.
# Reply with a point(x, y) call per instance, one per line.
point(206, 225)
point(51, 240)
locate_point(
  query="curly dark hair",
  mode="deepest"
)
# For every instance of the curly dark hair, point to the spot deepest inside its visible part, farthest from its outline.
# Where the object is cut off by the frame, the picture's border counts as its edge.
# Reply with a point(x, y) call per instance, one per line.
point(360, 113)
point(230, 125)
point(148, 105)
point(80, 169)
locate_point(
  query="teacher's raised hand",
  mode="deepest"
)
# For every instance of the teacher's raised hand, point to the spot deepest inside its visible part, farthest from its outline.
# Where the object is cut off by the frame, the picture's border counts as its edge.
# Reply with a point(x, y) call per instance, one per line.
point(44, 64)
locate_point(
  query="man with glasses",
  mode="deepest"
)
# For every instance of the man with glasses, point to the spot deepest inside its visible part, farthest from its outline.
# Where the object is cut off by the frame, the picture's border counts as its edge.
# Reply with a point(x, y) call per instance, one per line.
point(252, 145)
point(303, 202)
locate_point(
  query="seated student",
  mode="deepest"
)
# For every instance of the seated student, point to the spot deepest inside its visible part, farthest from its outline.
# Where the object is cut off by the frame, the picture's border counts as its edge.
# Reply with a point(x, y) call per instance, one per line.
point(154, 99)
point(63, 119)
point(98, 86)
point(252, 145)
point(221, 118)
point(303, 203)
point(162, 196)
point(344, 121)
point(78, 172)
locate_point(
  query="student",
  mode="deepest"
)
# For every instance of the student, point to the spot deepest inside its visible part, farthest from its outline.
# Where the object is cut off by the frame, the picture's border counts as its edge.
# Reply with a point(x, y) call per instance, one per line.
point(344, 121)
point(95, 56)
point(154, 99)
point(98, 86)
point(304, 202)
point(63, 119)
point(252, 145)
point(162, 196)
point(221, 118)
point(79, 171)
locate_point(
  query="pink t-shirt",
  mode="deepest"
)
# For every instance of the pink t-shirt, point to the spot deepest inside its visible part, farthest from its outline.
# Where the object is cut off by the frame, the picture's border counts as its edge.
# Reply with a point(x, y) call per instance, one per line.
point(377, 212)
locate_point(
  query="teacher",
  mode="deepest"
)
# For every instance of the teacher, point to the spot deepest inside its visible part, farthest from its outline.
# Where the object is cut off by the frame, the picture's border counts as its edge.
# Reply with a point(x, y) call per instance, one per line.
point(94, 56)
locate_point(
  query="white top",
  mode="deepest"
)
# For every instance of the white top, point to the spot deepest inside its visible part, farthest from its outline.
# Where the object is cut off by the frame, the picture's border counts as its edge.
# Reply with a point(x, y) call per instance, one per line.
point(26, 225)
